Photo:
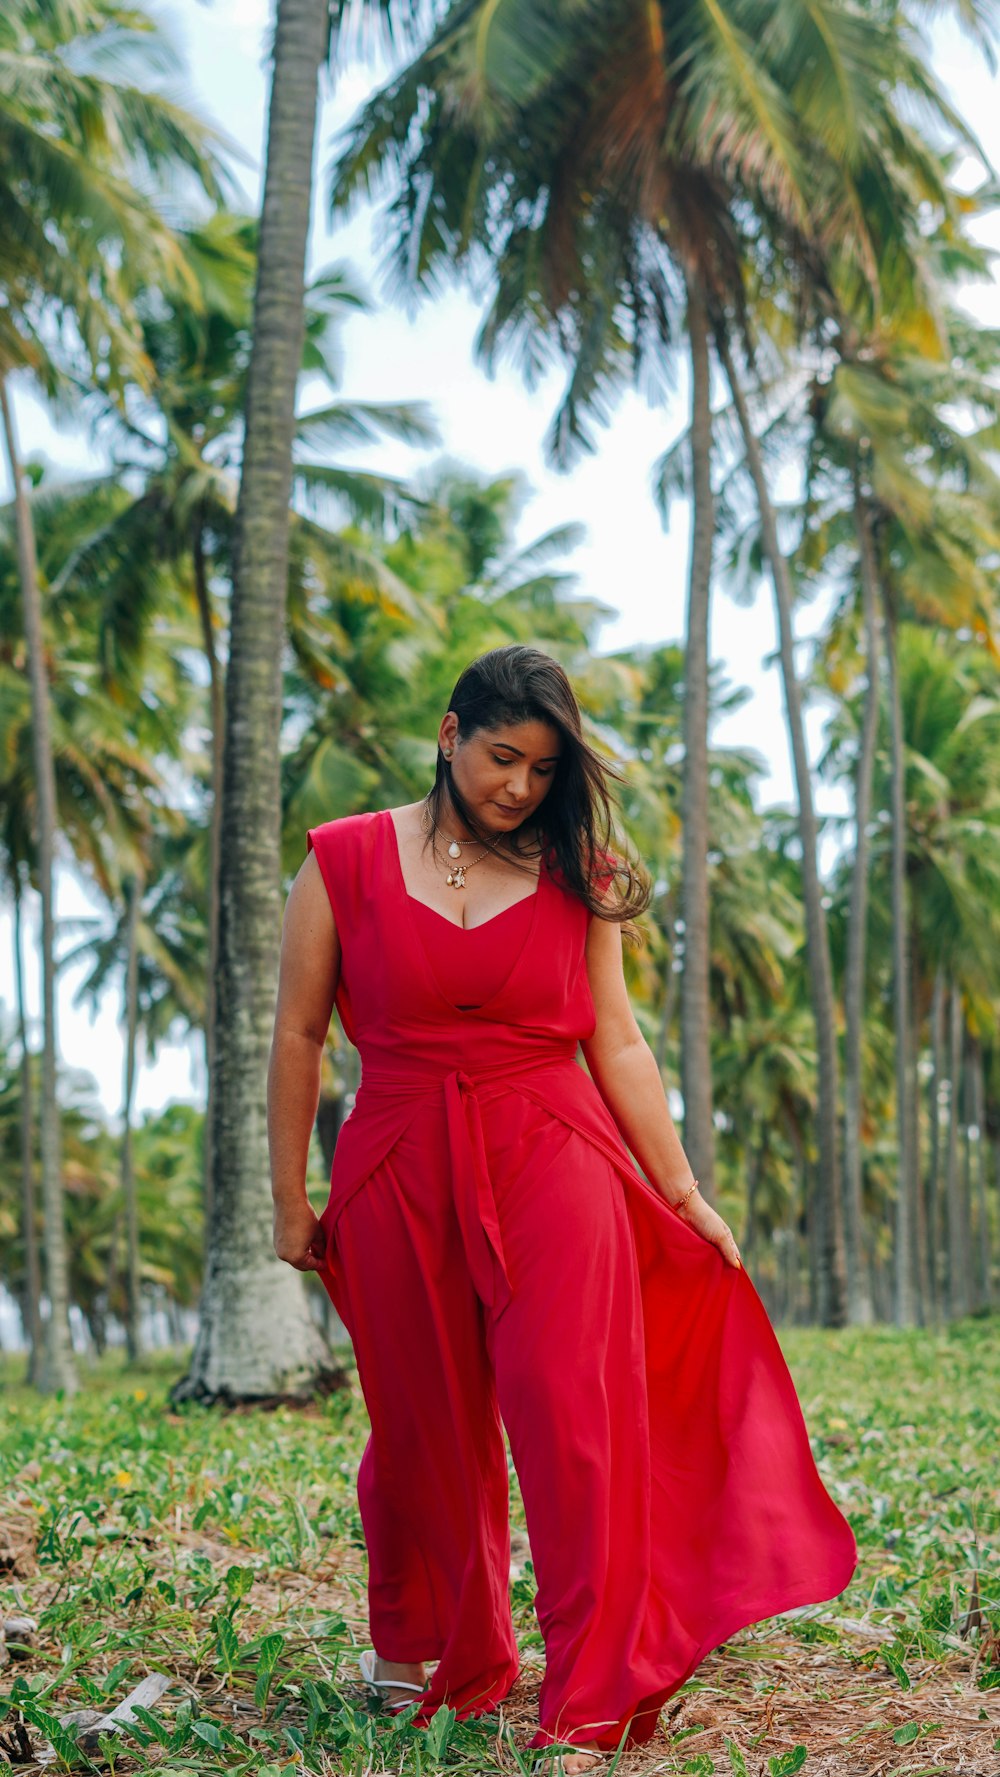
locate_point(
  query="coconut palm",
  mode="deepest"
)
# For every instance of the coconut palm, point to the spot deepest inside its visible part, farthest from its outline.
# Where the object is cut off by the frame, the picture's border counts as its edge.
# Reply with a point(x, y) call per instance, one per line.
point(611, 168)
point(236, 1352)
point(82, 134)
point(113, 722)
point(179, 442)
point(922, 499)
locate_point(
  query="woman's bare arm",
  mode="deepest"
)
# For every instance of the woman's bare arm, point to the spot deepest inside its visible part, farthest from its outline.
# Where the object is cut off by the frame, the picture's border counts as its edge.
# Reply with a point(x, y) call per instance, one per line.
point(624, 1070)
point(308, 977)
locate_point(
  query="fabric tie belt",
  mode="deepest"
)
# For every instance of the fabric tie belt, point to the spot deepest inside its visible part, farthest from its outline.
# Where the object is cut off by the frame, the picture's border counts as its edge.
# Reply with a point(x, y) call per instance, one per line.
point(472, 1186)
point(475, 1203)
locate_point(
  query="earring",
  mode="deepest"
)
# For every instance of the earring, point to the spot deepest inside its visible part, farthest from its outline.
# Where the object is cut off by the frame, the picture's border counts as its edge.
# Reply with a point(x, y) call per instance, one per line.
point(447, 752)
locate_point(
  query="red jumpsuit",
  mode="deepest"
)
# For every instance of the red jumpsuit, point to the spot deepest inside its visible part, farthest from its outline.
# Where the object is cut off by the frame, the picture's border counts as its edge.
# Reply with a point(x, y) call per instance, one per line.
point(499, 1261)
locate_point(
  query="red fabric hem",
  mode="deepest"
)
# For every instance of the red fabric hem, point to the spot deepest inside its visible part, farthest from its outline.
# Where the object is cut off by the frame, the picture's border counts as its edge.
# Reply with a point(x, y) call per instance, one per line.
point(643, 1720)
point(649, 1707)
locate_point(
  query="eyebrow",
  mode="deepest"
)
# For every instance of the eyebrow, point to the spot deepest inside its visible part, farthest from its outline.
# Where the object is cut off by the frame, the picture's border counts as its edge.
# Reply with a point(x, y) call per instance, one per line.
point(506, 743)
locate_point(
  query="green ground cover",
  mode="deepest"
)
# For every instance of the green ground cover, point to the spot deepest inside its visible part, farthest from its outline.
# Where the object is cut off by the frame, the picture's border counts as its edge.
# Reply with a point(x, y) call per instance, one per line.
point(225, 1552)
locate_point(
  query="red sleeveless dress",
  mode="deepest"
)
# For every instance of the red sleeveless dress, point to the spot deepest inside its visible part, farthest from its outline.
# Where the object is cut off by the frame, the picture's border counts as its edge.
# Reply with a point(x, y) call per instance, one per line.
point(500, 1262)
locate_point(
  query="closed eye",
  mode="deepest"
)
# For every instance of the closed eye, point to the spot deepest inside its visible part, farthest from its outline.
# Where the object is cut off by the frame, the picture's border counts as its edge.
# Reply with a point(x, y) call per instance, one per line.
point(541, 773)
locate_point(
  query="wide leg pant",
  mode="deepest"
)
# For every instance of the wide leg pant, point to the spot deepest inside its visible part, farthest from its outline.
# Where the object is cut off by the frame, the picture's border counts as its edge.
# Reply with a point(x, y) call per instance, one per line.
point(562, 1365)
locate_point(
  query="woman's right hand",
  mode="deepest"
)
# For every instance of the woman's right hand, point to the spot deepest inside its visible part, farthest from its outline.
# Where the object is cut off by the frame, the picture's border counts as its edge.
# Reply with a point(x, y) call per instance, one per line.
point(707, 1222)
point(299, 1236)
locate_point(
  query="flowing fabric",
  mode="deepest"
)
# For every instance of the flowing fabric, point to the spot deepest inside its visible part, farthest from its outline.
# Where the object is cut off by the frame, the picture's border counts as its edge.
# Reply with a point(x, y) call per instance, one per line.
point(500, 1263)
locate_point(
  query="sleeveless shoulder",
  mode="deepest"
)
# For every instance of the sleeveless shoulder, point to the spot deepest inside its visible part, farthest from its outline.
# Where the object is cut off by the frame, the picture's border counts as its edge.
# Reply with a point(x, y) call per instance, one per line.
point(343, 849)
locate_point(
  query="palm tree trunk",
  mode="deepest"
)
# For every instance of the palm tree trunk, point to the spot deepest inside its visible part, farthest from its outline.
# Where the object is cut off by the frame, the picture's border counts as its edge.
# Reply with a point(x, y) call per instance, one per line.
point(696, 1055)
point(790, 1267)
point(217, 719)
point(133, 1316)
point(904, 1301)
point(971, 1293)
point(31, 1290)
point(832, 1275)
point(752, 1165)
point(919, 1246)
point(58, 1368)
point(860, 1308)
point(670, 986)
point(985, 1290)
point(256, 1337)
point(112, 1269)
point(958, 1300)
point(932, 1187)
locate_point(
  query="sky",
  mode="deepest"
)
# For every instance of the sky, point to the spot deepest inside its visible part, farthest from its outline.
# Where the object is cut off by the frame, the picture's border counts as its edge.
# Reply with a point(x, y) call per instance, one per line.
point(627, 560)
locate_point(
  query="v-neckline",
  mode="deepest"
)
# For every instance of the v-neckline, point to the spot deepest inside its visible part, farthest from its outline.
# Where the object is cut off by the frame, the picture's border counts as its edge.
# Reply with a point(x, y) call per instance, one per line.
point(469, 931)
point(408, 900)
point(450, 922)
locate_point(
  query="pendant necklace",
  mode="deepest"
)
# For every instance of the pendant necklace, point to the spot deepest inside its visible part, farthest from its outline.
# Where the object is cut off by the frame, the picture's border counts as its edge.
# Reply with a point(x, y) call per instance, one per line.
point(456, 876)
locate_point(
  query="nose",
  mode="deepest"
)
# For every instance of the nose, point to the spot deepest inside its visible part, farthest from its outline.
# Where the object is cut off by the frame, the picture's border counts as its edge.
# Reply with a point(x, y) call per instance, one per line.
point(515, 795)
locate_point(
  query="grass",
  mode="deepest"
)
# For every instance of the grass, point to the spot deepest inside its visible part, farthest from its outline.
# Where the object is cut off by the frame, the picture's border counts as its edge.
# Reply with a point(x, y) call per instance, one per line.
point(225, 1551)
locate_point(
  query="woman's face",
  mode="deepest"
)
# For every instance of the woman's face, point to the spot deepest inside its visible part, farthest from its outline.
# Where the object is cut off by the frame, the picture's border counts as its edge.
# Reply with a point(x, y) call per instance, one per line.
point(503, 773)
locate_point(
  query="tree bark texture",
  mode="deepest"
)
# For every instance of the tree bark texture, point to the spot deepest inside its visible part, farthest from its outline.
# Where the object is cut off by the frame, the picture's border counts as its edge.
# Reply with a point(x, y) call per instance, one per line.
point(58, 1367)
point(832, 1267)
point(696, 1051)
point(256, 1337)
point(860, 1308)
point(133, 1313)
point(31, 1283)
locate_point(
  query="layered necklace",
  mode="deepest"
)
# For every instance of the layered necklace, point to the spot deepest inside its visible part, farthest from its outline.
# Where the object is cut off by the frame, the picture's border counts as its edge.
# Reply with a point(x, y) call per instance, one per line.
point(457, 874)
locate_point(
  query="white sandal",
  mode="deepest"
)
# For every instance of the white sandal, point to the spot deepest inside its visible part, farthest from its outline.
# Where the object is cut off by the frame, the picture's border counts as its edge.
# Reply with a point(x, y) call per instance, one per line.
point(366, 1663)
point(547, 1761)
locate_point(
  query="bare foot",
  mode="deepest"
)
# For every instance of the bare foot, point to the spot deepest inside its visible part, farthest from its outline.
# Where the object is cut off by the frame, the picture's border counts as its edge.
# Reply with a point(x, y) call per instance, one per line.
point(412, 1674)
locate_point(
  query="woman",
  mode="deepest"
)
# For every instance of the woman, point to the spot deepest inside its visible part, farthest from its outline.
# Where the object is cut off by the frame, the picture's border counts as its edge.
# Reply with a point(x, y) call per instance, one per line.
point(501, 1262)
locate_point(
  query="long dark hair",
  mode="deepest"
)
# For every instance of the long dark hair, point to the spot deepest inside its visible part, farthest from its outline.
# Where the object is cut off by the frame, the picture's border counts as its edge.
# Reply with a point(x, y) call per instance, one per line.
point(521, 684)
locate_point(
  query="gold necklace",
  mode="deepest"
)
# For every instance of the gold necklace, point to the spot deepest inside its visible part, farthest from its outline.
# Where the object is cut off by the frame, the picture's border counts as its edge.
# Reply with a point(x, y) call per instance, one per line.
point(456, 876)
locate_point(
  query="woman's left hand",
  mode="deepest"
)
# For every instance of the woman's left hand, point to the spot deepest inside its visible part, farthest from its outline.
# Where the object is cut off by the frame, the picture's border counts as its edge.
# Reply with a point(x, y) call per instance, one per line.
point(707, 1222)
point(299, 1235)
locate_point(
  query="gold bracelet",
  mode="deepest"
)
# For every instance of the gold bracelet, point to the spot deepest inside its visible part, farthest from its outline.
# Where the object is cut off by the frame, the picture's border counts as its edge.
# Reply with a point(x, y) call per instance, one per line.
point(679, 1205)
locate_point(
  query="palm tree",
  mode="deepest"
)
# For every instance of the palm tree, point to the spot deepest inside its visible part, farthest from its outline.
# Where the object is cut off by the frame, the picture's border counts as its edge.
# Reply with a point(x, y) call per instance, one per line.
point(923, 498)
point(65, 214)
point(31, 1315)
point(58, 1369)
point(600, 160)
point(180, 439)
point(236, 1353)
point(113, 716)
point(552, 143)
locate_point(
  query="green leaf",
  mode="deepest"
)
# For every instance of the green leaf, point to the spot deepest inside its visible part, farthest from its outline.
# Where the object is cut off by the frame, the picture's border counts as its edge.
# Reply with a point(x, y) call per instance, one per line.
point(157, 1728)
point(62, 1740)
point(784, 1763)
point(115, 1676)
point(229, 1642)
point(270, 1650)
point(439, 1731)
point(896, 1667)
point(737, 1763)
point(207, 1731)
point(238, 1582)
point(909, 1732)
